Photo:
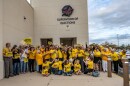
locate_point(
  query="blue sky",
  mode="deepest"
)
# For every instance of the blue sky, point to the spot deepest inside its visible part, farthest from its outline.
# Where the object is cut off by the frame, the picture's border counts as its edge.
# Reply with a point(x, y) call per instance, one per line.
point(107, 18)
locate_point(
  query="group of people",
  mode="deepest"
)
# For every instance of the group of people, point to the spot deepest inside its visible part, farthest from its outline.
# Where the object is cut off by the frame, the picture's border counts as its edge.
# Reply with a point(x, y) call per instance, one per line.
point(59, 60)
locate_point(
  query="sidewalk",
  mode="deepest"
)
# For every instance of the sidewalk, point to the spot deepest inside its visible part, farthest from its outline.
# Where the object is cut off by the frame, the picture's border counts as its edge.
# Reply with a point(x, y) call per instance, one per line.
point(35, 79)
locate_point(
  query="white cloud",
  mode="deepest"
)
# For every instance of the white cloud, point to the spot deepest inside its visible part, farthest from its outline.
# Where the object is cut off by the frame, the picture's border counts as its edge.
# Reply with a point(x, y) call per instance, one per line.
point(108, 18)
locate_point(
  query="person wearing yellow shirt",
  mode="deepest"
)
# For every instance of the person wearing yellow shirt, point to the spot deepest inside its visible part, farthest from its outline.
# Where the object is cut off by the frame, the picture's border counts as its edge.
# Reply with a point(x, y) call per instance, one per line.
point(45, 71)
point(77, 67)
point(46, 54)
point(46, 68)
point(32, 55)
point(81, 57)
point(67, 68)
point(39, 59)
point(53, 53)
point(64, 53)
point(122, 55)
point(115, 58)
point(60, 69)
point(105, 55)
point(16, 61)
point(7, 55)
point(86, 54)
point(89, 66)
point(55, 67)
point(60, 54)
point(74, 53)
point(97, 58)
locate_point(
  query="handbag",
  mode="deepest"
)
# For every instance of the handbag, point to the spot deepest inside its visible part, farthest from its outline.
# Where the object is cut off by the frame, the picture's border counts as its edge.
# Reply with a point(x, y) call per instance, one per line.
point(95, 73)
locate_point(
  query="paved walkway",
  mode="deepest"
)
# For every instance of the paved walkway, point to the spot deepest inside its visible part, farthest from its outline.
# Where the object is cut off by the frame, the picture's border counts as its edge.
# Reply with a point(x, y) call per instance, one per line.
point(35, 79)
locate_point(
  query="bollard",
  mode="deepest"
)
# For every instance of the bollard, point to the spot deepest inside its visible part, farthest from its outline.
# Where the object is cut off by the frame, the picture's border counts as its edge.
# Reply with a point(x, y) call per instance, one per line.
point(109, 67)
point(126, 73)
point(100, 66)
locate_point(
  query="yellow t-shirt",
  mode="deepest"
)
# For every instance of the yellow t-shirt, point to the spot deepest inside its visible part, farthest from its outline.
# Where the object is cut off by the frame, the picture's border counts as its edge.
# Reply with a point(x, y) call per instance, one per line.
point(42, 50)
point(55, 65)
point(97, 53)
point(77, 67)
point(105, 55)
point(74, 53)
point(67, 68)
point(53, 54)
point(86, 55)
point(80, 53)
point(90, 65)
point(32, 54)
point(45, 71)
point(59, 54)
point(16, 56)
point(47, 55)
point(25, 60)
point(114, 56)
point(122, 55)
point(7, 52)
point(65, 56)
point(70, 53)
point(46, 65)
point(39, 59)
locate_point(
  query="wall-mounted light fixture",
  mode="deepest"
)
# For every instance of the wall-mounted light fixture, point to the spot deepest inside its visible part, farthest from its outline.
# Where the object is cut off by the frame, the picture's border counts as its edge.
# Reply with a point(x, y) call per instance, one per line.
point(24, 18)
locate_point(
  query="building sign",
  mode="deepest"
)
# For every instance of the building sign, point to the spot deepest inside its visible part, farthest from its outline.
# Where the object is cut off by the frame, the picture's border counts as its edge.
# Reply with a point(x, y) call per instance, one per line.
point(67, 11)
point(66, 18)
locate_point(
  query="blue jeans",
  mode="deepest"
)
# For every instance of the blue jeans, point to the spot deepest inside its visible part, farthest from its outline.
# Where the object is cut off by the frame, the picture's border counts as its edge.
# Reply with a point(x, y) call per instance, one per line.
point(54, 71)
point(24, 66)
point(68, 73)
point(16, 68)
point(60, 72)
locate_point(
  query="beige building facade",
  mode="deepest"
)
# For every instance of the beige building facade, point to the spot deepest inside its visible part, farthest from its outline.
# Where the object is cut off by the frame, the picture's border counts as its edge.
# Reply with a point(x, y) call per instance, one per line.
point(16, 23)
point(59, 21)
point(49, 22)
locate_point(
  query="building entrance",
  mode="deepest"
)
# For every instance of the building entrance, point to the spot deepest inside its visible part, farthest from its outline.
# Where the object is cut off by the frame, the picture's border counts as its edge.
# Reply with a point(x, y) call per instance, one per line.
point(46, 41)
point(68, 41)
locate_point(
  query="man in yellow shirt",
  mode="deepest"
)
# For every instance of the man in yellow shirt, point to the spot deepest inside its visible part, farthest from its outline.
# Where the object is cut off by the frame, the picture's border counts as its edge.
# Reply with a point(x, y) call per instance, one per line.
point(105, 55)
point(60, 54)
point(8, 65)
point(39, 60)
point(32, 56)
point(80, 57)
point(97, 58)
point(115, 59)
point(122, 55)
point(53, 53)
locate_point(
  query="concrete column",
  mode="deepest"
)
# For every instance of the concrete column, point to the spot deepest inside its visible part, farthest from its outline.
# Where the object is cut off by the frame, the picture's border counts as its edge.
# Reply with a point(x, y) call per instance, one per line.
point(1, 40)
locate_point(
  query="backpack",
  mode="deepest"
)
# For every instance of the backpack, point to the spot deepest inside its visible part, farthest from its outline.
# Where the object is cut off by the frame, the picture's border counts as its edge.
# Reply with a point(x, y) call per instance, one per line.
point(95, 73)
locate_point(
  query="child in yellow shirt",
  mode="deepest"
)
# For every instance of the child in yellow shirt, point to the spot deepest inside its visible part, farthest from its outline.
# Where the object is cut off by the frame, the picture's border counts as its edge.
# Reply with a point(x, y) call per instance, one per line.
point(45, 71)
point(55, 66)
point(46, 68)
point(77, 67)
point(89, 66)
point(67, 68)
